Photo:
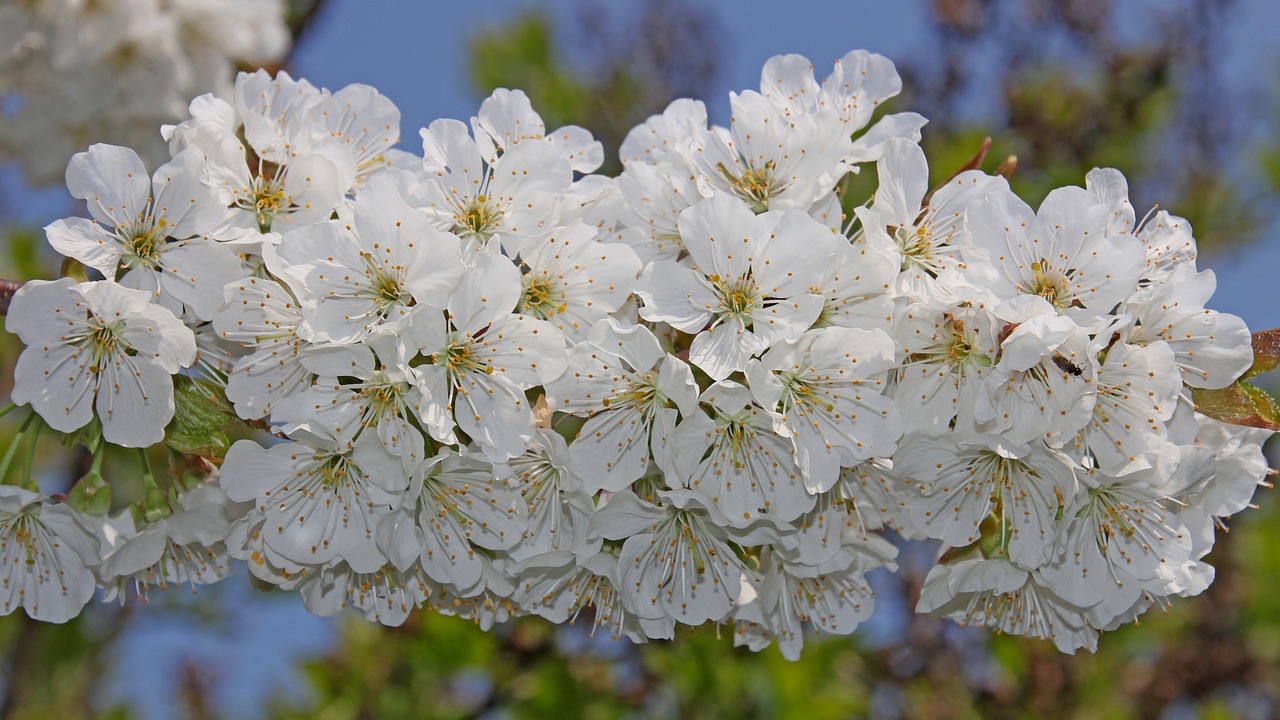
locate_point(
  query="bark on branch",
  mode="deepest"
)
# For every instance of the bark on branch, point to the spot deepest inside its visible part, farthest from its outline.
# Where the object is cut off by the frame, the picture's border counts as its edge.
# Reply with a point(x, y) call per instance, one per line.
point(7, 289)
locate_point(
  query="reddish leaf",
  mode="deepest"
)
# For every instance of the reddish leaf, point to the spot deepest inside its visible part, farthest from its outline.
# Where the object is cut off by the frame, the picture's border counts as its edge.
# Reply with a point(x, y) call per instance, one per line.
point(974, 163)
point(1238, 404)
point(1266, 352)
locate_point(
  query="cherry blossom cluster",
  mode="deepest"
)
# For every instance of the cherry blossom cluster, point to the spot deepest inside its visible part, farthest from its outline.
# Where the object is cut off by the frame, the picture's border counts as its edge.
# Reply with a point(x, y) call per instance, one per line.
point(78, 71)
point(485, 381)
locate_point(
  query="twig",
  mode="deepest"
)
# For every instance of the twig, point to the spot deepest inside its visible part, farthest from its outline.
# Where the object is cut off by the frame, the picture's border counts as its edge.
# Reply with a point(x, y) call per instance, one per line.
point(974, 163)
point(7, 289)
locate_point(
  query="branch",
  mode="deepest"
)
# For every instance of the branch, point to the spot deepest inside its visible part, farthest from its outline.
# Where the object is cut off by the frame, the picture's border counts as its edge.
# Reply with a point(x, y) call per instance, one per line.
point(7, 289)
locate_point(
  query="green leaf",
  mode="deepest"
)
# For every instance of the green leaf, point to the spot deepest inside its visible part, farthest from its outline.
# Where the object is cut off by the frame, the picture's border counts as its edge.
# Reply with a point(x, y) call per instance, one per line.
point(201, 412)
point(1239, 404)
point(1266, 352)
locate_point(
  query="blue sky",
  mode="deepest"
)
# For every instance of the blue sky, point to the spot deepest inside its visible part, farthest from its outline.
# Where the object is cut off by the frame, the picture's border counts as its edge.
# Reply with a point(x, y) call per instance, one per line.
point(419, 60)
point(415, 52)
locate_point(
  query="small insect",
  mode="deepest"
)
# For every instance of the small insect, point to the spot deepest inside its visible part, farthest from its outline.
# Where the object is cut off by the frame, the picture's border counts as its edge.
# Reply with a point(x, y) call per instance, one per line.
point(1067, 366)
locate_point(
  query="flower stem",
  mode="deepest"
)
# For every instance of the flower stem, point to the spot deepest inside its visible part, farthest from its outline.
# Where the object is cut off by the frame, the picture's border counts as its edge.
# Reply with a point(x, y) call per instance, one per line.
point(27, 482)
point(154, 505)
point(13, 446)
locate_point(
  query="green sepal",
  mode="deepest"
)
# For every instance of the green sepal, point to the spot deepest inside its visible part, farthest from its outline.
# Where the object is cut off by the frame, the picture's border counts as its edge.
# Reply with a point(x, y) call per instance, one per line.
point(201, 412)
point(154, 503)
point(155, 506)
point(139, 516)
point(1238, 404)
point(90, 498)
point(74, 269)
point(92, 494)
point(90, 436)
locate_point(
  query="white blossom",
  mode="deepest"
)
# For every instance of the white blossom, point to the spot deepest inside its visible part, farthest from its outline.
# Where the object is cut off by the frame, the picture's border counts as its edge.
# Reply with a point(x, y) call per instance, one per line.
point(559, 507)
point(456, 504)
point(961, 480)
point(1002, 596)
point(632, 393)
point(353, 278)
point(46, 552)
point(1044, 384)
point(825, 389)
point(734, 457)
point(1060, 253)
point(948, 350)
point(1211, 348)
point(287, 172)
point(560, 586)
point(921, 232)
point(748, 288)
point(1138, 390)
point(480, 358)
point(262, 318)
point(149, 234)
point(834, 596)
point(101, 349)
point(856, 87)
point(572, 281)
point(1123, 535)
point(470, 191)
point(183, 548)
point(319, 499)
point(385, 398)
point(676, 561)
point(771, 161)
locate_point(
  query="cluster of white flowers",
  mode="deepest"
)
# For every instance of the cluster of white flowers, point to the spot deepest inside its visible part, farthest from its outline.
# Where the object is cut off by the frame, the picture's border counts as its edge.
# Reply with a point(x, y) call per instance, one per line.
point(74, 72)
point(497, 384)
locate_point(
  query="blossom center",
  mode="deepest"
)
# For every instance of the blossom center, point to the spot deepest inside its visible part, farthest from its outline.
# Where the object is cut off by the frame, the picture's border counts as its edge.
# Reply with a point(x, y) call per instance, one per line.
point(384, 398)
point(738, 297)
point(543, 297)
point(478, 219)
point(798, 392)
point(458, 358)
point(143, 240)
point(103, 342)
point(916, 244)
point(332, 471)
point(1114, 514)
point(267, 196)
point(385, 287)
point(738, 438)
point(643, 396)
point(755, 186)
point(1049, 283)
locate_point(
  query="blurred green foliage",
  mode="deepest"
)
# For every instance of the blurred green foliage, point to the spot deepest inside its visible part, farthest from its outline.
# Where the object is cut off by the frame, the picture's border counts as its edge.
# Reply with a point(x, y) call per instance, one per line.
point(1214, 656)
